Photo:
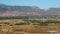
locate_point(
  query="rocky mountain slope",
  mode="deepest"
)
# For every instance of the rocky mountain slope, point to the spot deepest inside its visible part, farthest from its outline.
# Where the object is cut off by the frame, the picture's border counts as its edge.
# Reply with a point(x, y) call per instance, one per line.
point(6, 10)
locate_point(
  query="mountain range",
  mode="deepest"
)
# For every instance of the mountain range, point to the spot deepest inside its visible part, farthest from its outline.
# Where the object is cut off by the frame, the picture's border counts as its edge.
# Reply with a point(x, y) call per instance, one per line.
point(6, 10)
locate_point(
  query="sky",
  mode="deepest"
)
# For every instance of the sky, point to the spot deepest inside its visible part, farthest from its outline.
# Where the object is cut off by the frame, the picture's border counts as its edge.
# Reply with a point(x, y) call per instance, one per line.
point(43, 4)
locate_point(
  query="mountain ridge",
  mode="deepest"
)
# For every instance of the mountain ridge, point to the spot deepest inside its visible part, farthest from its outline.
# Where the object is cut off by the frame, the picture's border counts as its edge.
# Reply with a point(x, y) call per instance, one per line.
point(6, 10)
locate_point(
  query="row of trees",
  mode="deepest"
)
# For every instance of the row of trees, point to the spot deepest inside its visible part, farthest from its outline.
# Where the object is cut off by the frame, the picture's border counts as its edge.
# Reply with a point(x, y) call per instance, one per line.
point(38, 22)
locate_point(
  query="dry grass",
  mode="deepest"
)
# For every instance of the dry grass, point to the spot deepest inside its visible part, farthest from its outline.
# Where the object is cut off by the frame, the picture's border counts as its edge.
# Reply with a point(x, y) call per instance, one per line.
point(26, 29)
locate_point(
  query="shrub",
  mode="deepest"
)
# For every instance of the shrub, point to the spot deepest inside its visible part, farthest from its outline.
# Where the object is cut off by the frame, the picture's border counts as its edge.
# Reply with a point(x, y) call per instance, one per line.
point(22, 23)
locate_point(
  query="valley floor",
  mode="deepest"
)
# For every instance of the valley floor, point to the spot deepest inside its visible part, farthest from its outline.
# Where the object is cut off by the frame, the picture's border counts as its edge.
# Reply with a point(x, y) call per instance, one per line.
point(28, 29)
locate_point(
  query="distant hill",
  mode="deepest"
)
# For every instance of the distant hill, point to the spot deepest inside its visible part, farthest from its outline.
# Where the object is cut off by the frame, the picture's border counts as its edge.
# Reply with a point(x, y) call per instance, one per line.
point(6, 10)
point(18, 8)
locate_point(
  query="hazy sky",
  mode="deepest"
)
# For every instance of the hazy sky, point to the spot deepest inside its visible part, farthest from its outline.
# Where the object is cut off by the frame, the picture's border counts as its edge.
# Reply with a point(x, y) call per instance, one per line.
point(44, 4)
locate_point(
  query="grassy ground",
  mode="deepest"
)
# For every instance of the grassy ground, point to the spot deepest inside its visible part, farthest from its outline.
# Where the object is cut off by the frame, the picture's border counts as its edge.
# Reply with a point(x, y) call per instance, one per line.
point(11, 28)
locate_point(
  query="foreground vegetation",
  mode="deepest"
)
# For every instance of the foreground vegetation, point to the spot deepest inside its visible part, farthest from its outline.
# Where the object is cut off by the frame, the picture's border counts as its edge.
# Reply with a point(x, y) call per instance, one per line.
point(29, 26)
